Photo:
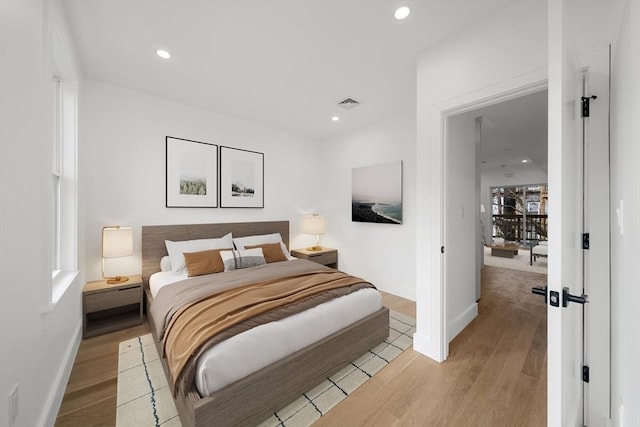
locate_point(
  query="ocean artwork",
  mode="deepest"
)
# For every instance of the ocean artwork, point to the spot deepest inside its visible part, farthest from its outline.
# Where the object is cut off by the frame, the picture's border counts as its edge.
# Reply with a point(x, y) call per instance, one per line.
point(376, 193)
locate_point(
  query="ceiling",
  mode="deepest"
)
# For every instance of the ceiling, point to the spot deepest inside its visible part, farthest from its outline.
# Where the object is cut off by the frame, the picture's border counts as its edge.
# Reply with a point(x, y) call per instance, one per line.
point(513, 131)
point(285, 64)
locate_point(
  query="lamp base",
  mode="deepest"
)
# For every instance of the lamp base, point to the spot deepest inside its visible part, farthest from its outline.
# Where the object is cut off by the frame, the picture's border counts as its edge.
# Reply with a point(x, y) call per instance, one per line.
point(314, 248)
point(117, 280)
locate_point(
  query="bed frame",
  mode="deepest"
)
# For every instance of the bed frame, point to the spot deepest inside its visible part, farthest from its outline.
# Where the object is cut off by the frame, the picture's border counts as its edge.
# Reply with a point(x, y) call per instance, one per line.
point(254, 398)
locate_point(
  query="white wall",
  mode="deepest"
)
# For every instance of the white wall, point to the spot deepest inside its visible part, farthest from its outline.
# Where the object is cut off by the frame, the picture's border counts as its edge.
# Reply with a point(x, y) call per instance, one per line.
point(39, 339)
point(625, 250)
point(499, 54)
point(381, 253)
point(461, 221)
point(122, 167)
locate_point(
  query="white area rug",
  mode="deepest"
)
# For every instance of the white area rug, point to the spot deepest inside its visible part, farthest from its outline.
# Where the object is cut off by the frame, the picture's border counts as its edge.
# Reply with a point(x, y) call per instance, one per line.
point(144, 398)
point(518, 262)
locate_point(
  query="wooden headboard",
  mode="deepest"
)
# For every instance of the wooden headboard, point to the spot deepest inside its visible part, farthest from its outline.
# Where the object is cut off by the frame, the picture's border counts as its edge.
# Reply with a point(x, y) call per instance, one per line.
point(153, 237)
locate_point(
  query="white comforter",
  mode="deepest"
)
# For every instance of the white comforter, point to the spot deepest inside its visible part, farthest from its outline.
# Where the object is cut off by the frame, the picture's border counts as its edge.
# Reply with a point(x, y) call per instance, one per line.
point(236, 357)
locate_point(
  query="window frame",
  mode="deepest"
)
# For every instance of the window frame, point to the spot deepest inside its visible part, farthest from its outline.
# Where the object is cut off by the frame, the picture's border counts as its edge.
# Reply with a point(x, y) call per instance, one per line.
point(64, 197)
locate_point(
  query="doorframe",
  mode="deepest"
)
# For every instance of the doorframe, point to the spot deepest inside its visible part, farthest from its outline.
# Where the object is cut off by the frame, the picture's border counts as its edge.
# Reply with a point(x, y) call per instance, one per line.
point(431, 336)
point(446, 115)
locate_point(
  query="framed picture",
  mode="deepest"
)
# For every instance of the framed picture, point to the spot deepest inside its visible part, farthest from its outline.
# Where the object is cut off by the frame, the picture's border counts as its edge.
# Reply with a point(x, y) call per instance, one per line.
point(241, 178)
point(376, 193)
point(191, 174)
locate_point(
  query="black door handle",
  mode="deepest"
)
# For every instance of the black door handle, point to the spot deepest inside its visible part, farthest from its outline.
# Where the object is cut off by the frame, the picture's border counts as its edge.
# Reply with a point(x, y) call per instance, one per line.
point(540, 291)
point(567, 298)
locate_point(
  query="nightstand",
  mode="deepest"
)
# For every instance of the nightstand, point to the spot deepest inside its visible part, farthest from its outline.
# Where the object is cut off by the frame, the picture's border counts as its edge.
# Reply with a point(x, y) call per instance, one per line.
point(107, 308)
point(326, 256)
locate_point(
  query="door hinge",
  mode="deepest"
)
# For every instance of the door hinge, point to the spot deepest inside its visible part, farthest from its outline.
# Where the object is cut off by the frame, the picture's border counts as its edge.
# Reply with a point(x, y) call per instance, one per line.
point(585, 104)
point(585, 240)
point(441, 249)
point(585, 374)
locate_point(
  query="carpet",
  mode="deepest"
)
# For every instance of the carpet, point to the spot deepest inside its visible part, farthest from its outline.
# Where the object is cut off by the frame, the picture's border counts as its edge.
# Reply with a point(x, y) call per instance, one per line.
point(143, 397)
point(518, 262)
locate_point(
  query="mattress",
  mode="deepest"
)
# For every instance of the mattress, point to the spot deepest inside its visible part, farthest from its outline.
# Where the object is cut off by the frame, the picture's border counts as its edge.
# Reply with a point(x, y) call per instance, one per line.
point(236, 357)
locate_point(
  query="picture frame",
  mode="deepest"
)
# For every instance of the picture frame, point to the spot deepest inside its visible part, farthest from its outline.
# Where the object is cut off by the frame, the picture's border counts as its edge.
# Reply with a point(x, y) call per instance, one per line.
point(241, 178)
point(191, 174)
point(376, 193)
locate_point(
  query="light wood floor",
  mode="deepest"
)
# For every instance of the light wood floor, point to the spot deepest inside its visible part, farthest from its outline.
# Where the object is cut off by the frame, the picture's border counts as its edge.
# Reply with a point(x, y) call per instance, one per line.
point(495, 374)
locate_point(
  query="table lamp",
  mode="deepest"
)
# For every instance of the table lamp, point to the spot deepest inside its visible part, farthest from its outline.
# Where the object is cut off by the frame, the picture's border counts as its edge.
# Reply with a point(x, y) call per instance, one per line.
point(117, 242)
point(314, 224)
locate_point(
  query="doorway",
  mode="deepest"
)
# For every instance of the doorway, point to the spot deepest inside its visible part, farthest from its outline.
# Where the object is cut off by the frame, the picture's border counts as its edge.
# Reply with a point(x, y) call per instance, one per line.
point(581, 142)
point(503, 144)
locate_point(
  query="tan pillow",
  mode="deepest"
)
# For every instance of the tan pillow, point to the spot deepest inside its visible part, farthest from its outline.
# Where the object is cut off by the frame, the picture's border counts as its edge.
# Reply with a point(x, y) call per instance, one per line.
point(272, 252)
point(204, 262)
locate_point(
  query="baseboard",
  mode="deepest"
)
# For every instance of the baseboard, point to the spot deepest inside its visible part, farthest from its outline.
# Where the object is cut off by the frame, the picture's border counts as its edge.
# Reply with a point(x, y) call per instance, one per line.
point(54, 400)
point(426, 346)
point(392, 288)
point(457, 325)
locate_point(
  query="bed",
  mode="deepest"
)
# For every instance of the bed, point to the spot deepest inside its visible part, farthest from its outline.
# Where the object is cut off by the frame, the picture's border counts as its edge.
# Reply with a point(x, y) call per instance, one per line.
point(252, 398)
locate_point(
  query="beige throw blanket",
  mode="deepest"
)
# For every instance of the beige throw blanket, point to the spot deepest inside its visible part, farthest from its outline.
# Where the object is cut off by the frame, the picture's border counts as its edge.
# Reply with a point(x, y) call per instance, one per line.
point(194, 327)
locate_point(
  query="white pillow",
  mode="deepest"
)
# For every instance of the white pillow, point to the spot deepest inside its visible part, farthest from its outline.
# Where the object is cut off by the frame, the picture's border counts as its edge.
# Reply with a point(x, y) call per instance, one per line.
point(241, 242)
point(165, 264)
point(176, 249)
point(235, 260)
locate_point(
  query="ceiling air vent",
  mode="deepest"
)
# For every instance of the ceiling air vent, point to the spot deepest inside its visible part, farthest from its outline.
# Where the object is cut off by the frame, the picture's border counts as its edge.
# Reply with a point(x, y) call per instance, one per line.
point(348, 103)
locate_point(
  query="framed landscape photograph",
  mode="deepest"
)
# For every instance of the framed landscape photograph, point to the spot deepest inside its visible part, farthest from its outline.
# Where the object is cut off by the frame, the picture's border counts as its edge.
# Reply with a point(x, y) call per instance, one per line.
point(191, 174)
point(376, 193)
point(241, 178)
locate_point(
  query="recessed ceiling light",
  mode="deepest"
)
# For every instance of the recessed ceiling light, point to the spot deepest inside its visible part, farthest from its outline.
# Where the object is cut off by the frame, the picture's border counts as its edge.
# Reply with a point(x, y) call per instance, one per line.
point(402, 12)
point(335, 118)
point(525, 161)
point(163, 54)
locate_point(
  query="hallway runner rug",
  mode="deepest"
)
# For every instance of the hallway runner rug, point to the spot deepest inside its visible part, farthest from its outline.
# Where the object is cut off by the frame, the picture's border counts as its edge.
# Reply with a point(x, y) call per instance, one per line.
point(143, 397)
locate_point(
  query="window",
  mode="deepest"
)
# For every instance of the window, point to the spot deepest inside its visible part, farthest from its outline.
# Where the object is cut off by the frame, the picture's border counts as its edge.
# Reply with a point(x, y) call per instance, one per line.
point(519, 213)
point(63, 137)
point(56, 171)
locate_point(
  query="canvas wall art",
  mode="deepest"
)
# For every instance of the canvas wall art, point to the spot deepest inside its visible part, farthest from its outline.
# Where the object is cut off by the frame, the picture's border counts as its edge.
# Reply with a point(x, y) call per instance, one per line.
point(241, 178)
point(376, 193)
point(191, 174)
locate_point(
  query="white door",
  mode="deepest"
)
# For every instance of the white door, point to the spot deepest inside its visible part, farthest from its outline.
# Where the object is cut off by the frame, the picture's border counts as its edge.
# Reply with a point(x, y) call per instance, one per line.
point(571, 193)
point(597, 282)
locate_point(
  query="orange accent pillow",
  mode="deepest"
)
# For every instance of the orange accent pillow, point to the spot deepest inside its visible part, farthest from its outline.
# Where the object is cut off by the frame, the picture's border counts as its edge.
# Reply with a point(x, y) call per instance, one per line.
point(204, 262)
point(272, 252)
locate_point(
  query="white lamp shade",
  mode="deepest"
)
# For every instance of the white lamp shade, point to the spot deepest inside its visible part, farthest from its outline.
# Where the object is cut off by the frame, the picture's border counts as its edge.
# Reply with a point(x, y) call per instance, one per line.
point(313, 224)
point(117, 242)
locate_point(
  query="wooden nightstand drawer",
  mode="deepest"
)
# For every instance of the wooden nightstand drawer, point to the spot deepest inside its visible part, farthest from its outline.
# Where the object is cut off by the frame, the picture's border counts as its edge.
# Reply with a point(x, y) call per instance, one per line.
point(109, 307)
point(324, 258)
point(111, 299)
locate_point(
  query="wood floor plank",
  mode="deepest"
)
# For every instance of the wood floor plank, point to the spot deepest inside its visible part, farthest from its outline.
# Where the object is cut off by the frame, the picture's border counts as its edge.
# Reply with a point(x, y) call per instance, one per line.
point(495, 374)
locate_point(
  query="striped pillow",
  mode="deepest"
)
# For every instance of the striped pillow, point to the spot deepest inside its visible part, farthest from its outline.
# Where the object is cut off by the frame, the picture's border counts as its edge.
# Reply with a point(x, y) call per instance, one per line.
point(272, 252)
point(235, 260)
